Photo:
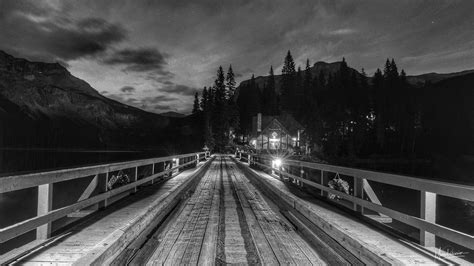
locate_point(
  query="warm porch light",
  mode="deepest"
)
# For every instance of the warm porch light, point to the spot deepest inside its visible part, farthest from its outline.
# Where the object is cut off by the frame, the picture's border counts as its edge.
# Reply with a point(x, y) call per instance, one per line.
point(276, 163)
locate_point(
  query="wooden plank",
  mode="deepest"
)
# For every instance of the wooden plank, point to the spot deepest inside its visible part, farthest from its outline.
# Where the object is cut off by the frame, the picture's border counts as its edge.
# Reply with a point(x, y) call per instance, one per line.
point(160, 254)
point(178, 250)
point(234, 243)
point(276, 225)
point(265, 252)
point(279, 249)
point(428, 213)
point(209, 249)
point(89, 189)
point(45, 204)
point(322, 242)
point(191, 255)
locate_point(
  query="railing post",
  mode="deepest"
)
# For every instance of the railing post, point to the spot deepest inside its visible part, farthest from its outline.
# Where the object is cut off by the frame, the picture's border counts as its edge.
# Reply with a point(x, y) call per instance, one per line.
point(45, 204)
point(359, 193)
point(301, 176)
point(322, 182)
point(152, 172)
point(175, 164)
point(428, 213)
point(104, 188)
point(135, 178)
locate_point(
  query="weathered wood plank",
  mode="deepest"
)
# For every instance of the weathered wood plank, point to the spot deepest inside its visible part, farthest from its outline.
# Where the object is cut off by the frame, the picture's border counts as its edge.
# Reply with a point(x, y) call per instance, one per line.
point(161, 253)
point(209, 249)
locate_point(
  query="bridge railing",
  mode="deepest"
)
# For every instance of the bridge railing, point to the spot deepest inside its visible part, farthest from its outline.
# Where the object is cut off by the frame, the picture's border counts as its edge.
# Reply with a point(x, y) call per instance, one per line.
point(428, 189)
point(99, 190)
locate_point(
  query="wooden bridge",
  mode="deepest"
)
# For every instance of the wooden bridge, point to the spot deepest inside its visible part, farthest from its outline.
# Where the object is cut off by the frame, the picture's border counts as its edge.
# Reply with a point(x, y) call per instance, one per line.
point(236, 209)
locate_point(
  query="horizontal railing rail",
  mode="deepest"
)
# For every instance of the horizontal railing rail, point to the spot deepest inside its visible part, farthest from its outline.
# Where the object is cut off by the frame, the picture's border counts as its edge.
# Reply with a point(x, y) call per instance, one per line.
point(428, 189)
point(45, 180)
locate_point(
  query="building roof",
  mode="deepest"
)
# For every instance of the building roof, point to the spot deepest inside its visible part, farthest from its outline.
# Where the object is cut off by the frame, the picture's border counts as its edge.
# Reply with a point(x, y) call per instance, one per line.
point(287, 121)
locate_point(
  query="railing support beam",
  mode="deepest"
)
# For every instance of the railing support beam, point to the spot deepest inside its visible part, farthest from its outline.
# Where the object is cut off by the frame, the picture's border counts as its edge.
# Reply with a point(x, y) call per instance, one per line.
point(359, 192)
point(428, 213)
point(45, 205)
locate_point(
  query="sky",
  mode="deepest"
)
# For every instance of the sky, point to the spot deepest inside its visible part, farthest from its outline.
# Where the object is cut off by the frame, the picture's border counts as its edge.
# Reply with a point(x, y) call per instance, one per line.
point(156, 54)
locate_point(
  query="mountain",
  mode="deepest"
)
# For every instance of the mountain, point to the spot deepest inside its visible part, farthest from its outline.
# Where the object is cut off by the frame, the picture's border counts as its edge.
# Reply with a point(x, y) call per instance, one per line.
point(42, 104)
point(326, 68)
point(173, 114)
point(435, 77)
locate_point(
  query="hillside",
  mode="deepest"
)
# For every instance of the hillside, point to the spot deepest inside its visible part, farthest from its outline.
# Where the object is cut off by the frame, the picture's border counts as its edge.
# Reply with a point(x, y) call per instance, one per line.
point(435, 77)
point(42, 104)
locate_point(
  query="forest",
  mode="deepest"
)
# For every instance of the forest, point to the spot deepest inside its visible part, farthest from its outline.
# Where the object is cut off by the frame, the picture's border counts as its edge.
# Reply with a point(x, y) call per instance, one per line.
point(345, 112)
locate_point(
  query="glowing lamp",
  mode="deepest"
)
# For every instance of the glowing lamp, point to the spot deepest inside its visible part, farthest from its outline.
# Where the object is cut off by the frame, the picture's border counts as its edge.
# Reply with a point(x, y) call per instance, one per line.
point(277, 162)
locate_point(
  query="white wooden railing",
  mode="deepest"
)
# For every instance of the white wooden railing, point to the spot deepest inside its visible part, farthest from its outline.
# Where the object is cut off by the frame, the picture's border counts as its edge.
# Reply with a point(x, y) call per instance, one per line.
point(169, 165)
point(426, 222)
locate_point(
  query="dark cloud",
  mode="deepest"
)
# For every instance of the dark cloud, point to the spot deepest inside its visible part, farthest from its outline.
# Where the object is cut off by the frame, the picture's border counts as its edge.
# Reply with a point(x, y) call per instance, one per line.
point(45, 35)
point(139, 60)
point(128, 89)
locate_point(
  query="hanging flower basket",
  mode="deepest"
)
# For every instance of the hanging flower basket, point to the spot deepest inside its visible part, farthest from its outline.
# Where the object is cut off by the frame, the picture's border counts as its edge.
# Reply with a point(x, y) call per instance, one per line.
point(337, 183)
point(118, 180)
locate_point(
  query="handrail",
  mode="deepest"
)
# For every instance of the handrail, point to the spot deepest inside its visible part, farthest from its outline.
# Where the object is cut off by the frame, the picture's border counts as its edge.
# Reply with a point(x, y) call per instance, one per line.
point(442, 188)
point(17, 182)
point(428, 189)
point(46, 179)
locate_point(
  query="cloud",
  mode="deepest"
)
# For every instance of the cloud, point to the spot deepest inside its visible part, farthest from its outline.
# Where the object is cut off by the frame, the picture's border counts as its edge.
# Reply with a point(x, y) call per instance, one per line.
point(128, 89)
point(139, 60)
point(179, 89)
point(45, 34)
point(345, 31)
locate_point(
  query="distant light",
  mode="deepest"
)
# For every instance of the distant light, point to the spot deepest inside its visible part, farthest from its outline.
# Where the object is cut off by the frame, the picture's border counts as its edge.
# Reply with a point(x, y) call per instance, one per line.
point(254, 142)
point(276, 162)
point(175, 159)
point(274, 140)
point(294, 139)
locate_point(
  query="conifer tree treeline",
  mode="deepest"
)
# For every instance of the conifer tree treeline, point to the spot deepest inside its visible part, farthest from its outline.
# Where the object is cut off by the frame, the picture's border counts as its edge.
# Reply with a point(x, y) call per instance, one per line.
point(217, 111)
point(344, 114)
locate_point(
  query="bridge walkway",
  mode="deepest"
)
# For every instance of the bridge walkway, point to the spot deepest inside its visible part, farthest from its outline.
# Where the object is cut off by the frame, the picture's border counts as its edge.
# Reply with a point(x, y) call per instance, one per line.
point(223, 212)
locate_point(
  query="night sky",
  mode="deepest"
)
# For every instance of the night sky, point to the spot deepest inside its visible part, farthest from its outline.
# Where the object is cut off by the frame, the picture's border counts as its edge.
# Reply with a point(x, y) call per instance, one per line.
point(156, 54)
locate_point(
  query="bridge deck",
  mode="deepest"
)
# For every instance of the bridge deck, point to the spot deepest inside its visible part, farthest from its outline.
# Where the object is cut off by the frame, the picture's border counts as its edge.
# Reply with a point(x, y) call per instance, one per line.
point(226, 219)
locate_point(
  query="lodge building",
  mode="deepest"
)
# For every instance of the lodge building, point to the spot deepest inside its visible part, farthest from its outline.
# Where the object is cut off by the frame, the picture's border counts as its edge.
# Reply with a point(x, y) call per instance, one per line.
point(276, 133)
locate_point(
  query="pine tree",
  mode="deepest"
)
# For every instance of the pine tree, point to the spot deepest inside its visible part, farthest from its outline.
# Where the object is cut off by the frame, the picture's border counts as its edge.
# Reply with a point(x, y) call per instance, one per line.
point(272, 96)
point(380, 97)
point(219, 86)
point(230, 83)
point(204, 100)
point(288, 83)
point(218, 116)
point(196, 107)
point(299, 91)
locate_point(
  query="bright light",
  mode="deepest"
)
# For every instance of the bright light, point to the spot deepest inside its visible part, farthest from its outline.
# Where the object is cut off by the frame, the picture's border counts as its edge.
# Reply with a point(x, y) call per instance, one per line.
point(294, 139)
point(254, 142)
point(276, 163)
point(274, 140)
